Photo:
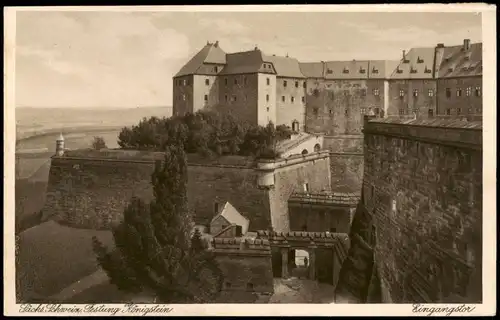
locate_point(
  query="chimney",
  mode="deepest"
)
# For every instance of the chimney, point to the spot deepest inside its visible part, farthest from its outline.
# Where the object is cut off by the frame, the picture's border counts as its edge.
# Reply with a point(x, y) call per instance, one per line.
point(440, 45)
point(216, 207)
point(216, 44)
point(404, 54)
point(466, 44)
point(256, 48)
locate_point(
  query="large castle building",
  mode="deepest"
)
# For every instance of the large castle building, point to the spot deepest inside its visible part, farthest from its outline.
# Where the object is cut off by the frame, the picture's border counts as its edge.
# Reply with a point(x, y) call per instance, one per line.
point(331, 97)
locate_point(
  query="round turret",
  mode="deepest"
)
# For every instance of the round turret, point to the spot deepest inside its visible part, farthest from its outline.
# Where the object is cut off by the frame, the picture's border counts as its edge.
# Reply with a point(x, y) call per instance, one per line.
point(60, 145)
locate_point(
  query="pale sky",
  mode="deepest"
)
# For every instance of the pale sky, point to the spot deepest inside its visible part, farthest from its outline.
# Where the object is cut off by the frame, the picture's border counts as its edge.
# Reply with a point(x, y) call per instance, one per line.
point(127, 59)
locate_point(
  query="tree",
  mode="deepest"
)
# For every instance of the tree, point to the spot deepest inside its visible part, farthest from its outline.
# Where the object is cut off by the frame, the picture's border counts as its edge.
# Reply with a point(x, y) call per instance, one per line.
point(154, 249)
point(98, 143)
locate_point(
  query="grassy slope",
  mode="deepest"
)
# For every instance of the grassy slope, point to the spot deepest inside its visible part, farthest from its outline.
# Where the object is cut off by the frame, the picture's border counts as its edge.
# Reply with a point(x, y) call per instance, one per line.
point(51, 257)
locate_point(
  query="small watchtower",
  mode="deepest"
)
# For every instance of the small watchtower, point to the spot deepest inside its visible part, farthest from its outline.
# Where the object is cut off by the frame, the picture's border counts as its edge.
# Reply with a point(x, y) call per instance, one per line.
point(60, 145)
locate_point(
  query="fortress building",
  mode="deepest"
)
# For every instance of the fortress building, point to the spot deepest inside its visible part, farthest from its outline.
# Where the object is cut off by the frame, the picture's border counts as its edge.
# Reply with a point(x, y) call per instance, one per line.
point(438, 82)
point(331, 97)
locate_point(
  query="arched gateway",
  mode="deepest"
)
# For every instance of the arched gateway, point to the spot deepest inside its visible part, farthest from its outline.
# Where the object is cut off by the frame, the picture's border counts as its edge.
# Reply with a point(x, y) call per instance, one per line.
point(327, 252)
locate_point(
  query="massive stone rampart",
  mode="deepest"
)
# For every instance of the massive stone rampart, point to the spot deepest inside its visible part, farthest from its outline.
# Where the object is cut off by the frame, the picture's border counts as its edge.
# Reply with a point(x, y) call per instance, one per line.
point(421, 214)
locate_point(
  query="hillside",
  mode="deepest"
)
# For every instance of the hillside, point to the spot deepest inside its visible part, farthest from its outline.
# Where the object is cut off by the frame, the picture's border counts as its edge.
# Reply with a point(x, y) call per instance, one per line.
point(36, 121)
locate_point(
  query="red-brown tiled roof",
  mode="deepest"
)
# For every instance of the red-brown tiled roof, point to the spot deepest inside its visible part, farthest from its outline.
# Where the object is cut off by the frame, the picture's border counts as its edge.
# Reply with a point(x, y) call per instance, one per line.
point(418, 64)
point(312, 69)
point(458, 62)
point(285, 66)
point(210, 53)
point(243, 62)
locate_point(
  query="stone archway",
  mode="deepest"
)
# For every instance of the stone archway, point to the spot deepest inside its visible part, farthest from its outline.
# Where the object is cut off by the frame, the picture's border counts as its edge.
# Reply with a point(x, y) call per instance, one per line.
point(325, 253)
point(304, 152)
point(317, 147)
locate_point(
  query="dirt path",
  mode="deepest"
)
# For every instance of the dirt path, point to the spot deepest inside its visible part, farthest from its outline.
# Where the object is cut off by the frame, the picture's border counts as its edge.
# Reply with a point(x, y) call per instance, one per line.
point(79, 286)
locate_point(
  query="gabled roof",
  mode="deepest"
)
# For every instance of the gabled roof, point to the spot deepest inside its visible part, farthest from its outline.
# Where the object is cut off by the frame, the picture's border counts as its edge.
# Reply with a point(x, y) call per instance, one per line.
point(419, 60)
point(353, 69)
point(210, 53)
point(285, 66)
point(456, 61)
point(243, 62)
point(228, 212)
point(381, 69)
point(312, 69)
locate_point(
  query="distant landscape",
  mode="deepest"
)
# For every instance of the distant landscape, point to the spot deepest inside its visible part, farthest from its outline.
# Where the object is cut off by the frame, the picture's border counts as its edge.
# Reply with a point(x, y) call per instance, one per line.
point(38, 129)
point(39, 121)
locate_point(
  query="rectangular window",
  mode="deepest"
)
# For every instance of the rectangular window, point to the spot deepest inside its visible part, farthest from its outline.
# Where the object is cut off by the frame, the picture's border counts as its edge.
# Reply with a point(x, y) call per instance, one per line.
point(430, 92)
point(346, 112)
point(235, 81)
point(206, 97)
point(478, 91)
point(184, 97)
point(284, 83)
point(283, 98)
point(448, 111)
point(184, 82)
point(459, 110)
point(207, 82)
point(459, 92)
point(296, 84)
point(304, 84)
point(430, 113)
point(225, 97)
point(267, 97)
point(448, 93)
point(303, 99)
point(267, 109)
point(268, 81)
point(315, 111)
point(401, 93)
point(234, 98)
point(363, 92)
point(225, 81)
point(468, 91)
point(415, 92)
point(292, 99)
point(376, 92)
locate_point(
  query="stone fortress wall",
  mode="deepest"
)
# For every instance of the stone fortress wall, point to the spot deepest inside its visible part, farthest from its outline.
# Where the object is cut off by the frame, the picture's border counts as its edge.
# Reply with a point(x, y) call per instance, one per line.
point(422, 223)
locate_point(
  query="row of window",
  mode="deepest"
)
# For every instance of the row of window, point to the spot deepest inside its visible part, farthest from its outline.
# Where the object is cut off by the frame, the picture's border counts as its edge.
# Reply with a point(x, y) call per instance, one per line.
point(430, 92)
point(448, 111)
point(346, 111)
point(376, 92)
point(468, 92)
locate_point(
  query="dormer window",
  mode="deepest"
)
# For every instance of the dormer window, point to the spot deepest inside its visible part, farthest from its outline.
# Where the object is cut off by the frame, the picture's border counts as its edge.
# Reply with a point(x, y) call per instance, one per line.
point(329, 71)
point(345, 70)
point(399, 70)
point(467, 58)
point(427, 70)
point(450, 69)
point(361, 70)
point(375, 70)
point(412, 70)
point(419, 60)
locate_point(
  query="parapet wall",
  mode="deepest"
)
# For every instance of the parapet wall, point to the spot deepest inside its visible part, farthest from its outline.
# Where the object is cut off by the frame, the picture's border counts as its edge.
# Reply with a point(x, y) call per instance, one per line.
point(283, 177)
point(246, 264)
point(90, 189)
point(422, 189)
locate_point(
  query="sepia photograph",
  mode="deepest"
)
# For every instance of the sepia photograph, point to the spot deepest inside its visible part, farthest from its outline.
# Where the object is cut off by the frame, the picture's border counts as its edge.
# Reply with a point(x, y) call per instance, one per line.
point(163, 158)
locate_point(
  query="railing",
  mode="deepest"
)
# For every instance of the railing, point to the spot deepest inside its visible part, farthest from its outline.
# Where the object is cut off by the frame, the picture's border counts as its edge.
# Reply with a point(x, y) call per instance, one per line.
point(343, 198)
point(294, 143)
